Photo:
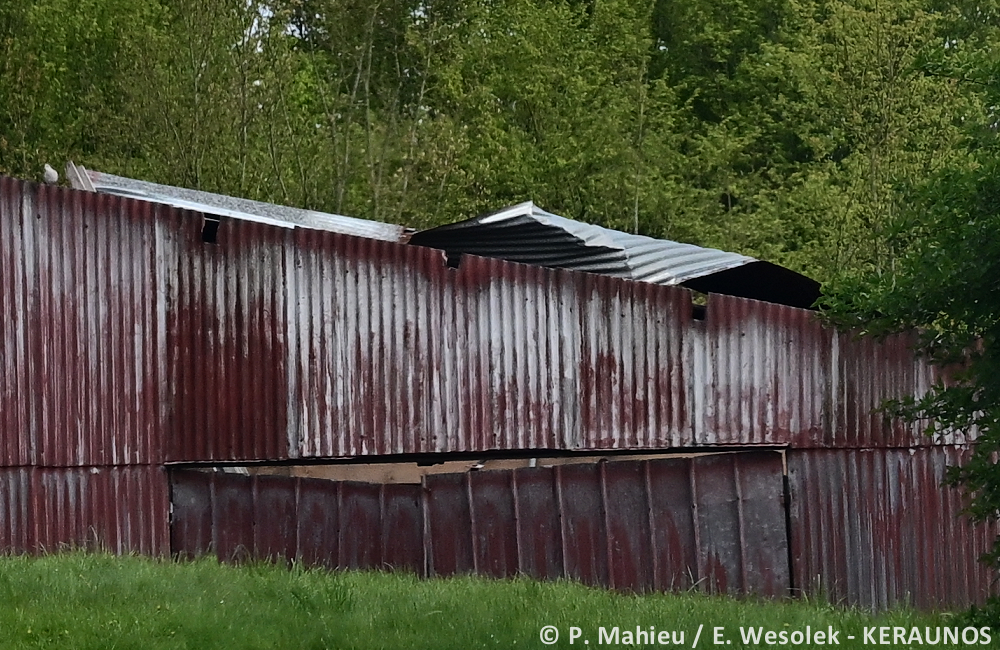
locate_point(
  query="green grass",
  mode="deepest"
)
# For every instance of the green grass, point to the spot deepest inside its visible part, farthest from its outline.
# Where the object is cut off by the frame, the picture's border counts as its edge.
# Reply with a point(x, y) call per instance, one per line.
point(78, 600)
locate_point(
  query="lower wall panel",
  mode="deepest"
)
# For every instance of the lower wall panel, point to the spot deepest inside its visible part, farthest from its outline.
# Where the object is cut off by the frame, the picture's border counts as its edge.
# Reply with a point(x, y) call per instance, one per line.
point(118, 509)
point(632, 525)
point(876, 528)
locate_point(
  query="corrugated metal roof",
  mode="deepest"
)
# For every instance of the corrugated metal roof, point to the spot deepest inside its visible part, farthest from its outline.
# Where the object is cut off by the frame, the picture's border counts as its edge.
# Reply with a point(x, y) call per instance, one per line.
point(229, 206)
point(527, 234)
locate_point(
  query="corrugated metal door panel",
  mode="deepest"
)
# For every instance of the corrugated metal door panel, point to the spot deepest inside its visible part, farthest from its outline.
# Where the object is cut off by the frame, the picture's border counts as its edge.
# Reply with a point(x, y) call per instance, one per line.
point(583, 523)
point(539, 531)
point(232, 517)
point(275, 530)
point(402, 528)
point(764, 535)
point(318, 531)
point(717, 517)
point(448, 535)
point(191, 528)
point(360, 526)
point(494, 523)
point(628, 526)
point(672, 525)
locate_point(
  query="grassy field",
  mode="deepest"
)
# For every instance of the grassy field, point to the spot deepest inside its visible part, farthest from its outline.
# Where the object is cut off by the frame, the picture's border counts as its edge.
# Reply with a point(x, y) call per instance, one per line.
point(96, 601)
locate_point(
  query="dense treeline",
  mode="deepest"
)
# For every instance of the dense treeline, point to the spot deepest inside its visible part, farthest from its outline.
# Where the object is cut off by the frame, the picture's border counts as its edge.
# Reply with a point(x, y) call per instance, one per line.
point(789, 130)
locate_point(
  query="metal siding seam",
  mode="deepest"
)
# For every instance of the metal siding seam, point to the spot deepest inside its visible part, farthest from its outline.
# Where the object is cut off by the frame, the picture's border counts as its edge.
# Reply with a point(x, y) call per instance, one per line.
point(699, 574)
point(651, 519)
point(741, 524)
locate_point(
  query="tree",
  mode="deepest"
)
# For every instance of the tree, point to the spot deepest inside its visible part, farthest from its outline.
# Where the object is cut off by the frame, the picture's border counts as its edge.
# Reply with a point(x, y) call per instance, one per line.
point(944, 251)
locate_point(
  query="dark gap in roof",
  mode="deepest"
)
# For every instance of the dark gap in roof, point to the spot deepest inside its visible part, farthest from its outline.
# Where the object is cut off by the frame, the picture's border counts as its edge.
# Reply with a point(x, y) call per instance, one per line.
point(210, 231)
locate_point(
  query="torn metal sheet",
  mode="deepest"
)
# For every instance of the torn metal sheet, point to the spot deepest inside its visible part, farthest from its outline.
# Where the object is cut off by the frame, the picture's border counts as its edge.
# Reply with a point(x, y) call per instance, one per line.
point(527, 234)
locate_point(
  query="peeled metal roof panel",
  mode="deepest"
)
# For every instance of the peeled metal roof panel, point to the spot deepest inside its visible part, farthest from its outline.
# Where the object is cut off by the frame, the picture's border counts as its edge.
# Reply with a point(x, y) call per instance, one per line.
point(526, 233)
point(233, 207)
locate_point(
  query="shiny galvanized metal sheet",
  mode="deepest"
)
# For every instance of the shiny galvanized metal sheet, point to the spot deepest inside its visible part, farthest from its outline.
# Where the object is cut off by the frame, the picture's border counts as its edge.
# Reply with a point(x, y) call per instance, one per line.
point(613, 523)
point(876, 528)
point(81, 351)
point(230, 206)
point(117, 509)
point(527, 234)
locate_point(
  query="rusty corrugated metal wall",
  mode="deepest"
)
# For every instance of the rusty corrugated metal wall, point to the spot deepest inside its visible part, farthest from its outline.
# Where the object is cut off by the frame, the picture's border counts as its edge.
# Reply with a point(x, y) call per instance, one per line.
point(276, 343)
point(81, 372)
point(83, 352)
point(713, 521)
point(874, 527)
point(130, 342)
point(119, 509)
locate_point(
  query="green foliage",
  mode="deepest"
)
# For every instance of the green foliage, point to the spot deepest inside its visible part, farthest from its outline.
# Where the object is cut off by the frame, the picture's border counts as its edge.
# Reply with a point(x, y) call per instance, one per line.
point(943, 284)
point(944, 249)
point(98, 601)
point(786, 130)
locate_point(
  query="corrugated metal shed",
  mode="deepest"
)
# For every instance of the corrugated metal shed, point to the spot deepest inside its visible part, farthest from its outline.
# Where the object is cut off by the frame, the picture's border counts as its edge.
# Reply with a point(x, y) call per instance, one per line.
point(525, 233)
point(229, 206)
point(130, 341)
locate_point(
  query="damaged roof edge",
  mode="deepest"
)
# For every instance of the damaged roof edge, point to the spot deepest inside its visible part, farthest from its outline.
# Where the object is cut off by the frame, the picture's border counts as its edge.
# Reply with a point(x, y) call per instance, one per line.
point(227, 206)
point(525, 233)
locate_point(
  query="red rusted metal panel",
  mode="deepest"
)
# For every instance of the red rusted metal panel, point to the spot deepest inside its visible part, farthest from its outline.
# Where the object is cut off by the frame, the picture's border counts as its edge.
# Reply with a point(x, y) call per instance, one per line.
point(402, 522)
point(233, 519)
point(673, 526)
point(763, 511)
point(275, 518)
point(769, 374)
point(393, 351)
point(133, 340)
point(449, 534)
point(360, 525)
point(318, 510)
point(80, 346)
point(876, 528)
point(118, 509)
point(191, 502)
point(628, 522)
point(583, 523)
point(612, 523)
point(493, 502)
point(225, 331)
